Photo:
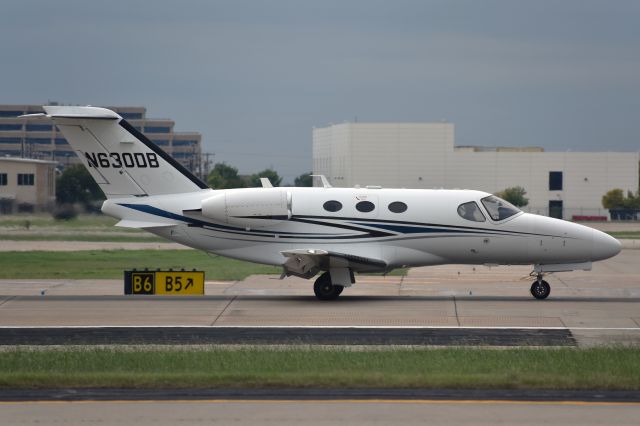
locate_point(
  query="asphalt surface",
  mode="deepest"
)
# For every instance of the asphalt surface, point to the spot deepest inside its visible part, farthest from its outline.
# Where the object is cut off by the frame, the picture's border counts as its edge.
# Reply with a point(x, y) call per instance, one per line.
point(284, 336)
point(317, 394)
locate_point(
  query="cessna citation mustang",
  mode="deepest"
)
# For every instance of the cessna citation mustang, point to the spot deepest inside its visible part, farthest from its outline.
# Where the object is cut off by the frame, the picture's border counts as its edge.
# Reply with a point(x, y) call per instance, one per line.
point(335, 231)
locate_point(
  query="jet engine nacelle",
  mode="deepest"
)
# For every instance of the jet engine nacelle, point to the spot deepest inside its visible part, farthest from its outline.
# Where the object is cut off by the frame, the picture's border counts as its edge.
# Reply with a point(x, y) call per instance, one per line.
point(249, 208)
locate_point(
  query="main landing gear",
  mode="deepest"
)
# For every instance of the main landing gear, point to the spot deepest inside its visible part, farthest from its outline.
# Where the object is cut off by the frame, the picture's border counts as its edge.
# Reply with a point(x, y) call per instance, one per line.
point(325, 289)
point(540, 289)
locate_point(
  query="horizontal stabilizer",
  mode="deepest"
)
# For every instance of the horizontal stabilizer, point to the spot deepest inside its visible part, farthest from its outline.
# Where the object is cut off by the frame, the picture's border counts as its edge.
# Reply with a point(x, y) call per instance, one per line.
point(127, 223)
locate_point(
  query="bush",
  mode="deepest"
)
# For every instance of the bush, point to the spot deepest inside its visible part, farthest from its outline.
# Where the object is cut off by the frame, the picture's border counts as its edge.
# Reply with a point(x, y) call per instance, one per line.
point(26, 208)
point(65, 212)
point(514, 195)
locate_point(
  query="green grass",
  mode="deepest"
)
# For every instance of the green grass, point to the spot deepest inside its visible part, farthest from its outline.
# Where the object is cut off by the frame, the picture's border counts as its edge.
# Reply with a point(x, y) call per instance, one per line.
point(47, 221)
point(111, 263)
point(600, 368)
point(98, 238)
point(625, 234)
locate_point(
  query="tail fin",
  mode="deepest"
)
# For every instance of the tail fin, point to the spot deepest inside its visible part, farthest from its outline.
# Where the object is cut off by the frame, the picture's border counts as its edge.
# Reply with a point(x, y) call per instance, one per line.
point(120, 158)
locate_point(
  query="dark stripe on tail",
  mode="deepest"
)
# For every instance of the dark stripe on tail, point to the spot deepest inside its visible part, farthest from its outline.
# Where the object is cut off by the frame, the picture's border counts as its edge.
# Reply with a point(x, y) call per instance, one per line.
point(142, 138)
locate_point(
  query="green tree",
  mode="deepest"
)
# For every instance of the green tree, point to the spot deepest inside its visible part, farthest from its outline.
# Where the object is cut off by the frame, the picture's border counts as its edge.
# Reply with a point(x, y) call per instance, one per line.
point(76, 186)
point(273, 176)
point(304, 180)
point(224, 176)
point(613, 199)
point(632, 201)
point(515, 195)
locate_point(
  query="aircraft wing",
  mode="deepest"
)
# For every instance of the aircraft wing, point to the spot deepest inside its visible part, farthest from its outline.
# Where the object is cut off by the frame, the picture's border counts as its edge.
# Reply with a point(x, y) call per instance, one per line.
point(306, 263)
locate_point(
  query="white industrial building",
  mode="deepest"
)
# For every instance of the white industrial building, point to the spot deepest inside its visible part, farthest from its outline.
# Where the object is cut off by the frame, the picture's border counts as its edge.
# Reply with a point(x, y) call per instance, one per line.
point(423, 155)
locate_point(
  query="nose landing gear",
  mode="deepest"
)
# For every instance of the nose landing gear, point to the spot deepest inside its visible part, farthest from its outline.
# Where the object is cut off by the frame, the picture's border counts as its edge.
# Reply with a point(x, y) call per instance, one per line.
point(540, 289)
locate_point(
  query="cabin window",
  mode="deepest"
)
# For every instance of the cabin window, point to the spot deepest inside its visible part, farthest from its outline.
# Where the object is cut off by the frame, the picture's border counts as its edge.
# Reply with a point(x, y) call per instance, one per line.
point(398, 207)
point(332, 206)
point(365, 206)
point(498, 208)
point(471, 211)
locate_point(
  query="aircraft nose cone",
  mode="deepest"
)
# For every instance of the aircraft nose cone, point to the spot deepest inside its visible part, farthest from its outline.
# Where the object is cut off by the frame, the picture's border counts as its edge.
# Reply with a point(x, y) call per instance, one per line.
point(604, 246)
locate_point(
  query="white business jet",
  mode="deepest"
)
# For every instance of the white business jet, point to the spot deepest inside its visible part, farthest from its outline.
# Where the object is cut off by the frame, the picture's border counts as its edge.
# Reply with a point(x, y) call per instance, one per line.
point(335, 231)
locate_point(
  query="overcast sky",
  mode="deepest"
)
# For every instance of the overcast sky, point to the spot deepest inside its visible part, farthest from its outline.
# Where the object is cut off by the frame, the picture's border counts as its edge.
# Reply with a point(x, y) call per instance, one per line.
point(254, 77)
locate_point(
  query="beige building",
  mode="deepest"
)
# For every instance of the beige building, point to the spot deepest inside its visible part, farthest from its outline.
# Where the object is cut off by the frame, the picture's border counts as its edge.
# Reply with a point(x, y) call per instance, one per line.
point(41, 140)
point(423, 155)
point(26, 185)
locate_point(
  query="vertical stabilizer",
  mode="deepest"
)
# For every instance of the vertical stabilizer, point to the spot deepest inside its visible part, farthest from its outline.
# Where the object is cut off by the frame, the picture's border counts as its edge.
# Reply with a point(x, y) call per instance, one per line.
point(120, 158)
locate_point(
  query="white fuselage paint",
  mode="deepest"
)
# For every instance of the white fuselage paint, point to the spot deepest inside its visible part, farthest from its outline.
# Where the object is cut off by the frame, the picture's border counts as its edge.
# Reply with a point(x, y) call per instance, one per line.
point(429, 232)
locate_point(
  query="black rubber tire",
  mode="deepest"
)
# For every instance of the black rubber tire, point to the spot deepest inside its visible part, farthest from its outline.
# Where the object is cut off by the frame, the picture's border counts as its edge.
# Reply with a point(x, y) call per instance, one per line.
point(540, 291)
point(324, 289)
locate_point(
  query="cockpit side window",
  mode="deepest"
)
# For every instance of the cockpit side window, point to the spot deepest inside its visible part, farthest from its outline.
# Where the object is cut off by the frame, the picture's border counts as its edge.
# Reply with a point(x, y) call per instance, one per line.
point(498, 208)
point(471, 211)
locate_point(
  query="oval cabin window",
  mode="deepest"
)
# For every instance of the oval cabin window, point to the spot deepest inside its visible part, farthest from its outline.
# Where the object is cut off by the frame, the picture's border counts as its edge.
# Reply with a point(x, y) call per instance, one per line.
point(332, 206)
point(365, 206)
point(398, 207)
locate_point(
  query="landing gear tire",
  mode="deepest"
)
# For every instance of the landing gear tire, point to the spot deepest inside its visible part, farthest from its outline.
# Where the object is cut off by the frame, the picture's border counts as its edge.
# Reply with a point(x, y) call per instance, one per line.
point(325, 289)
point(540, 289)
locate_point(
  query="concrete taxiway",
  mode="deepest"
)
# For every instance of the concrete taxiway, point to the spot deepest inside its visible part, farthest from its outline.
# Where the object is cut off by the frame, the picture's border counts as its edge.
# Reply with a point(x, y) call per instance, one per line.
point(598, 307)
point(320, 412)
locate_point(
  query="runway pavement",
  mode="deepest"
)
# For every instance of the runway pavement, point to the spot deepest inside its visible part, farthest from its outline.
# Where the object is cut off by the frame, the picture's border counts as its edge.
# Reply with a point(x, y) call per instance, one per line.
point(597, 307)
point(341, 336)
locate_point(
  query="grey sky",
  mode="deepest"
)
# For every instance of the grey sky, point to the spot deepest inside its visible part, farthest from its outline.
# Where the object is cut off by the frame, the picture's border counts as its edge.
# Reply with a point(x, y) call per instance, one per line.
point(255, 76)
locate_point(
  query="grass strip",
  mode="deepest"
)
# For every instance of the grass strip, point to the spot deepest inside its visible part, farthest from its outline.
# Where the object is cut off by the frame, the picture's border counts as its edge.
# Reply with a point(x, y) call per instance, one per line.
point(111, 264)
point(597, 368)
point(625, 235)
point(97, 237)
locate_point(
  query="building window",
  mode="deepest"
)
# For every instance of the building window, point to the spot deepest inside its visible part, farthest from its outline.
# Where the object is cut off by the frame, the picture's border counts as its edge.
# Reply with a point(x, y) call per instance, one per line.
point(184, 142)
point(10, 127)
point(61, 141)
point(39, 127)
point(26, 179)
point(365, 206)
point(555, 181)
point(555, 208)
point(39, 141)
point(3, 179)
point(332, 206)
point(131, 115)
point(398, 207)
point(10, 113)
point(161, 142)
point(157, 129)
point(10, 140)
point(182, 155)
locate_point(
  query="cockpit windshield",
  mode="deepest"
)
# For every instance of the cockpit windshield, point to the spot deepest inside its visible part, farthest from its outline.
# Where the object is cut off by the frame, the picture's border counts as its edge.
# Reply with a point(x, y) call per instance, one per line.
point(498, 208)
